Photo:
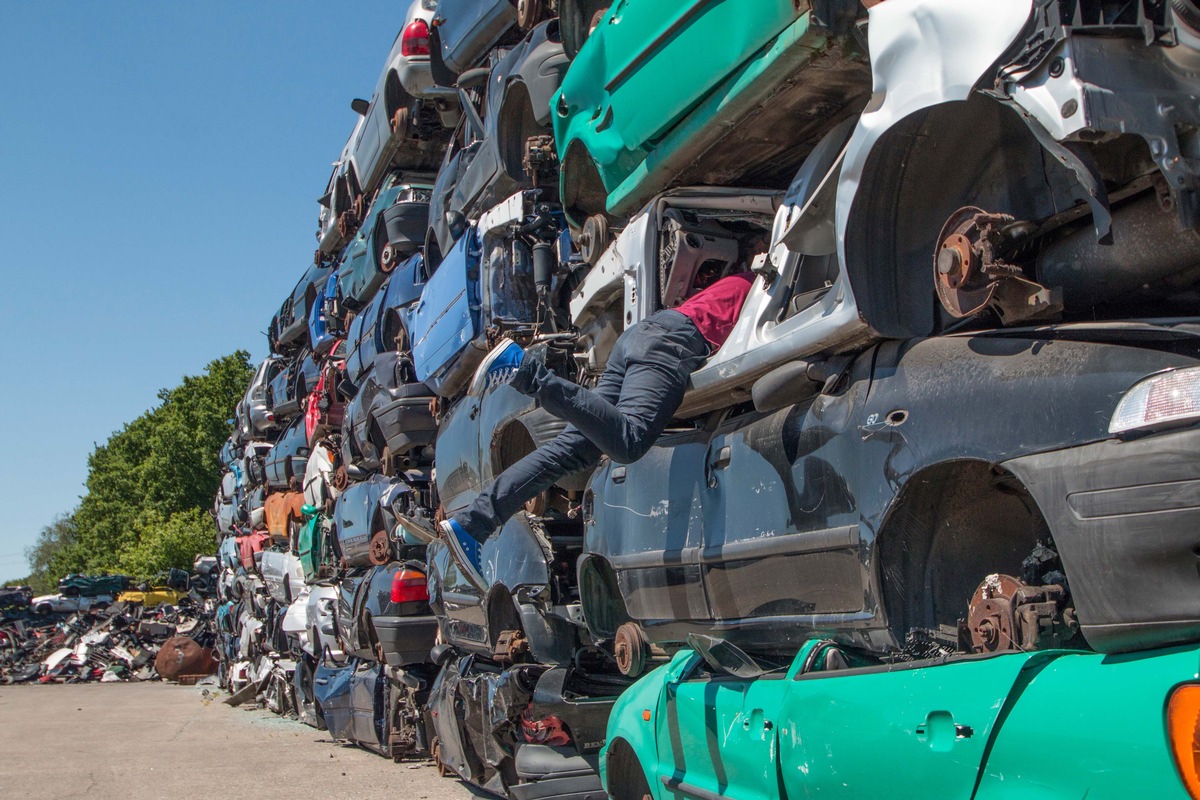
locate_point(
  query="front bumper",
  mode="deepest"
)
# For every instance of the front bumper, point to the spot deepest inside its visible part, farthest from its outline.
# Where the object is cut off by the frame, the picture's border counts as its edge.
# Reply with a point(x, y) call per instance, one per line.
point(1125, 517)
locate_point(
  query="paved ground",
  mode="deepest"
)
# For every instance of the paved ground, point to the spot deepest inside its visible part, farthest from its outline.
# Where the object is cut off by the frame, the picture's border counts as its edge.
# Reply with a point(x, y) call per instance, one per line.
point(143, 741)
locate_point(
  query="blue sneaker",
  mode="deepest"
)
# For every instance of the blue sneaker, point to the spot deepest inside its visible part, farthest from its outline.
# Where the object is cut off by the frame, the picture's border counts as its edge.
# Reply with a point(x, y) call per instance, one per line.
point(501, 364)
point(467, 551)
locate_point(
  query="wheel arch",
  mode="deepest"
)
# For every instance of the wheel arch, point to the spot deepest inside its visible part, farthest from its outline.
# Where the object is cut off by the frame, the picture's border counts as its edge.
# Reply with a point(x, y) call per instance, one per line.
point(951, 525)
point(622, 769)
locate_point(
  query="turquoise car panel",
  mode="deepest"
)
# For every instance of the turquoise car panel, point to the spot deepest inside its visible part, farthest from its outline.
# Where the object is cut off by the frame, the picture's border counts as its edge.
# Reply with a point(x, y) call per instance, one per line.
point(1106, 717)
point(655, 82)
point(1048, 725)
point(838, 728)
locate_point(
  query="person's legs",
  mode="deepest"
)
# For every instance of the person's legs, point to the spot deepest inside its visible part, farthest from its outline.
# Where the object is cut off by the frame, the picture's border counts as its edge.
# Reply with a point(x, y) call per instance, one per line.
point(650, 366)
point(568, 452)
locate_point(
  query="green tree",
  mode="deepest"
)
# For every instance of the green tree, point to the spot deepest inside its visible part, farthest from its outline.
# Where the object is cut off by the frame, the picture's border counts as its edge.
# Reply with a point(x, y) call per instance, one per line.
point(148, 486)
point(46, 554)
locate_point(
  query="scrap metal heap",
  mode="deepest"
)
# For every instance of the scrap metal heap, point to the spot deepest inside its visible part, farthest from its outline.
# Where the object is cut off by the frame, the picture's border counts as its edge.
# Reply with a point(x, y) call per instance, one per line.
point(127, 640)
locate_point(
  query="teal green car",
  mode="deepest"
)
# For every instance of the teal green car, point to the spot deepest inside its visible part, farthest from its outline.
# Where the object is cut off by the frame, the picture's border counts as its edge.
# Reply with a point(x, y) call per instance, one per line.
point(1047, 724)
point(718, 92)
point(314, 546)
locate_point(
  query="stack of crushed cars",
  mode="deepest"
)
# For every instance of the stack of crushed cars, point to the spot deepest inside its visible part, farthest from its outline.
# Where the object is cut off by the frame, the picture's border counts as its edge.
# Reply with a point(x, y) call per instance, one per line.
point(110, 631)
point(960, 296)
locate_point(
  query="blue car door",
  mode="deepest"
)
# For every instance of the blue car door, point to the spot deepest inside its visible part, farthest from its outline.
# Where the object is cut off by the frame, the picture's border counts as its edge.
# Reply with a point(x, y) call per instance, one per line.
point(446, 319)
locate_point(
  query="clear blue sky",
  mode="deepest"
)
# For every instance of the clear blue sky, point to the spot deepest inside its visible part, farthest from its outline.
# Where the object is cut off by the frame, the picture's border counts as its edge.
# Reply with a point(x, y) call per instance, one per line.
point(159, 170)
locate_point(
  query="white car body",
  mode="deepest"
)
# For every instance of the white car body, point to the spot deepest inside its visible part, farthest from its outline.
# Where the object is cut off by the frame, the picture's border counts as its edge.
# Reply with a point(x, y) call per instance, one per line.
point(60, 604)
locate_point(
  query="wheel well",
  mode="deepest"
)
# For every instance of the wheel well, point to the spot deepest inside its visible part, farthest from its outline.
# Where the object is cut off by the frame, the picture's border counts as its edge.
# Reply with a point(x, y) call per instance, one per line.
point(973, 153)
point(394, 94)
point(626, 777)
point(502, 614)
point(583, 192)
point(516, 124)
point(510, 444)
point(599, 593)
point(953, 525)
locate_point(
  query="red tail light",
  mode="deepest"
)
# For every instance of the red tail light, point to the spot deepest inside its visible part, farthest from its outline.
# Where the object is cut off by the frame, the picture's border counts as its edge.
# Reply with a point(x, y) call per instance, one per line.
point(408, 586)
point(415, 39)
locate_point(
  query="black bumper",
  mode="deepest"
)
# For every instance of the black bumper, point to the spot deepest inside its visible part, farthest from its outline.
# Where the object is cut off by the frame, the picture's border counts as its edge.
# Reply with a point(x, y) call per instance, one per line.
point(405, 640)
point(1125, 517)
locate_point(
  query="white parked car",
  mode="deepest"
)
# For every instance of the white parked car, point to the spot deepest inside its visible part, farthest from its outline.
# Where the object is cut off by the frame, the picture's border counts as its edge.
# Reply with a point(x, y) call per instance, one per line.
point(64, 604)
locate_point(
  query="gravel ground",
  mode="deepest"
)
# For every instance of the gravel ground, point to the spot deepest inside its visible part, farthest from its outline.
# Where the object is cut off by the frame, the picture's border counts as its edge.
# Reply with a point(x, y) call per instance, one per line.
point(141, 741)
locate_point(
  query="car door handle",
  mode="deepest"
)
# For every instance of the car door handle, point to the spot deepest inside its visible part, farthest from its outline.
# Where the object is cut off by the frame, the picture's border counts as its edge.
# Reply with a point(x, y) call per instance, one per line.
point(618, 475)
point(321, 681)
point(724, 456)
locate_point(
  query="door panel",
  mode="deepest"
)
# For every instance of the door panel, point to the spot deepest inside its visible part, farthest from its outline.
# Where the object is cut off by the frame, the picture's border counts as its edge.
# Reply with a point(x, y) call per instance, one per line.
point(447, 316)
point(647, 520)
point(666, 57)
point(904, 732)
point(780, 525)
point(720, 736)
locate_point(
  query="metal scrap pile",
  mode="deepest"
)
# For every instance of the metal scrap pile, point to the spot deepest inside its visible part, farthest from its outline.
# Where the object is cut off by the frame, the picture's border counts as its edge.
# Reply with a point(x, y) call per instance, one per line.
point(127, 640)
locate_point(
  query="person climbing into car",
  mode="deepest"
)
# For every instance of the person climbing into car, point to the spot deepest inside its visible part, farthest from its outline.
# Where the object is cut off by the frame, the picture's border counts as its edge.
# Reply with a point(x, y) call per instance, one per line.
point(637, 396)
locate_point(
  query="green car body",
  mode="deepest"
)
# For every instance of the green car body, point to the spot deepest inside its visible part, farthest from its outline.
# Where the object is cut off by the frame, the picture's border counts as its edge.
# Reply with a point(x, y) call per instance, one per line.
point(1048, 724)
point(695, 92)
point(313, 545)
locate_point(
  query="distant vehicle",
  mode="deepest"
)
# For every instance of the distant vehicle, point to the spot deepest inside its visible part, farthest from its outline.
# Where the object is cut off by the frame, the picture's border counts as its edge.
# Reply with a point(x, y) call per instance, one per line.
point(288, 457)
point(390, 419)
point(373, 705)
point(323, 318)
point(69, 603)
point(254, 417)
point(385, 615)
point(281, 402)
point(363, 534)
point(342, 204)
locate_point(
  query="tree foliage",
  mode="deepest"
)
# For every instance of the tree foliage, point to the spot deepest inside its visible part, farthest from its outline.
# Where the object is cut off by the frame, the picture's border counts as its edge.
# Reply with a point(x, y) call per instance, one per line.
point(148, 486)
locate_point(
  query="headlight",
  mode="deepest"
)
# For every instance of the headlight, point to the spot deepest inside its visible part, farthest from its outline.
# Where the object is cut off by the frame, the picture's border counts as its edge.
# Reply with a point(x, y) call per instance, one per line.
point(1183, 729)
point(1162, 399)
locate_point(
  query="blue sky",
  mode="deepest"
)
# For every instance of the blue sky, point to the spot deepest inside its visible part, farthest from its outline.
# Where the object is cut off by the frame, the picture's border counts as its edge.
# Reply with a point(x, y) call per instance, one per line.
point(159, 169)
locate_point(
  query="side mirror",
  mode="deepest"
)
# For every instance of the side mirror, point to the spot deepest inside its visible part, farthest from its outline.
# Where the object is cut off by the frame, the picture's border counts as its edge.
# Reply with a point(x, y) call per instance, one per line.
point(360, 106)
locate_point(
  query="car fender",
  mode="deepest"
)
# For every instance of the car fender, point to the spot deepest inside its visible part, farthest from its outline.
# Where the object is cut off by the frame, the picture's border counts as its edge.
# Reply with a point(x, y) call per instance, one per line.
point(923, 53)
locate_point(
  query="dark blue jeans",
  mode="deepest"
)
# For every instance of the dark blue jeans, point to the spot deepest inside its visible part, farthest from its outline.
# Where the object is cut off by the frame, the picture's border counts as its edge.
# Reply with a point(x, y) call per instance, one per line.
point(634, 400)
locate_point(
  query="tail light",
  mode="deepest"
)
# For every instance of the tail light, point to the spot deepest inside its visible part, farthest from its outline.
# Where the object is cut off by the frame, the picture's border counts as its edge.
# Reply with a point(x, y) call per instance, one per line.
point(1183, 730)
point(408, 586)
point(415, 39)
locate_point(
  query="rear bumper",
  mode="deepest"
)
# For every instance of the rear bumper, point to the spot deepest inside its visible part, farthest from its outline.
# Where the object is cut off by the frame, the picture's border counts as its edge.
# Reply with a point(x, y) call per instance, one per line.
point(1125, 517)
point(405, 640)
point(406, 423)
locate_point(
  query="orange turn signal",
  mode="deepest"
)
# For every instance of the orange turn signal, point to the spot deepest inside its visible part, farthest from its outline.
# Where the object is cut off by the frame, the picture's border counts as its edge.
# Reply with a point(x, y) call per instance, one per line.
point(646, 715)
point(1183, 729)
